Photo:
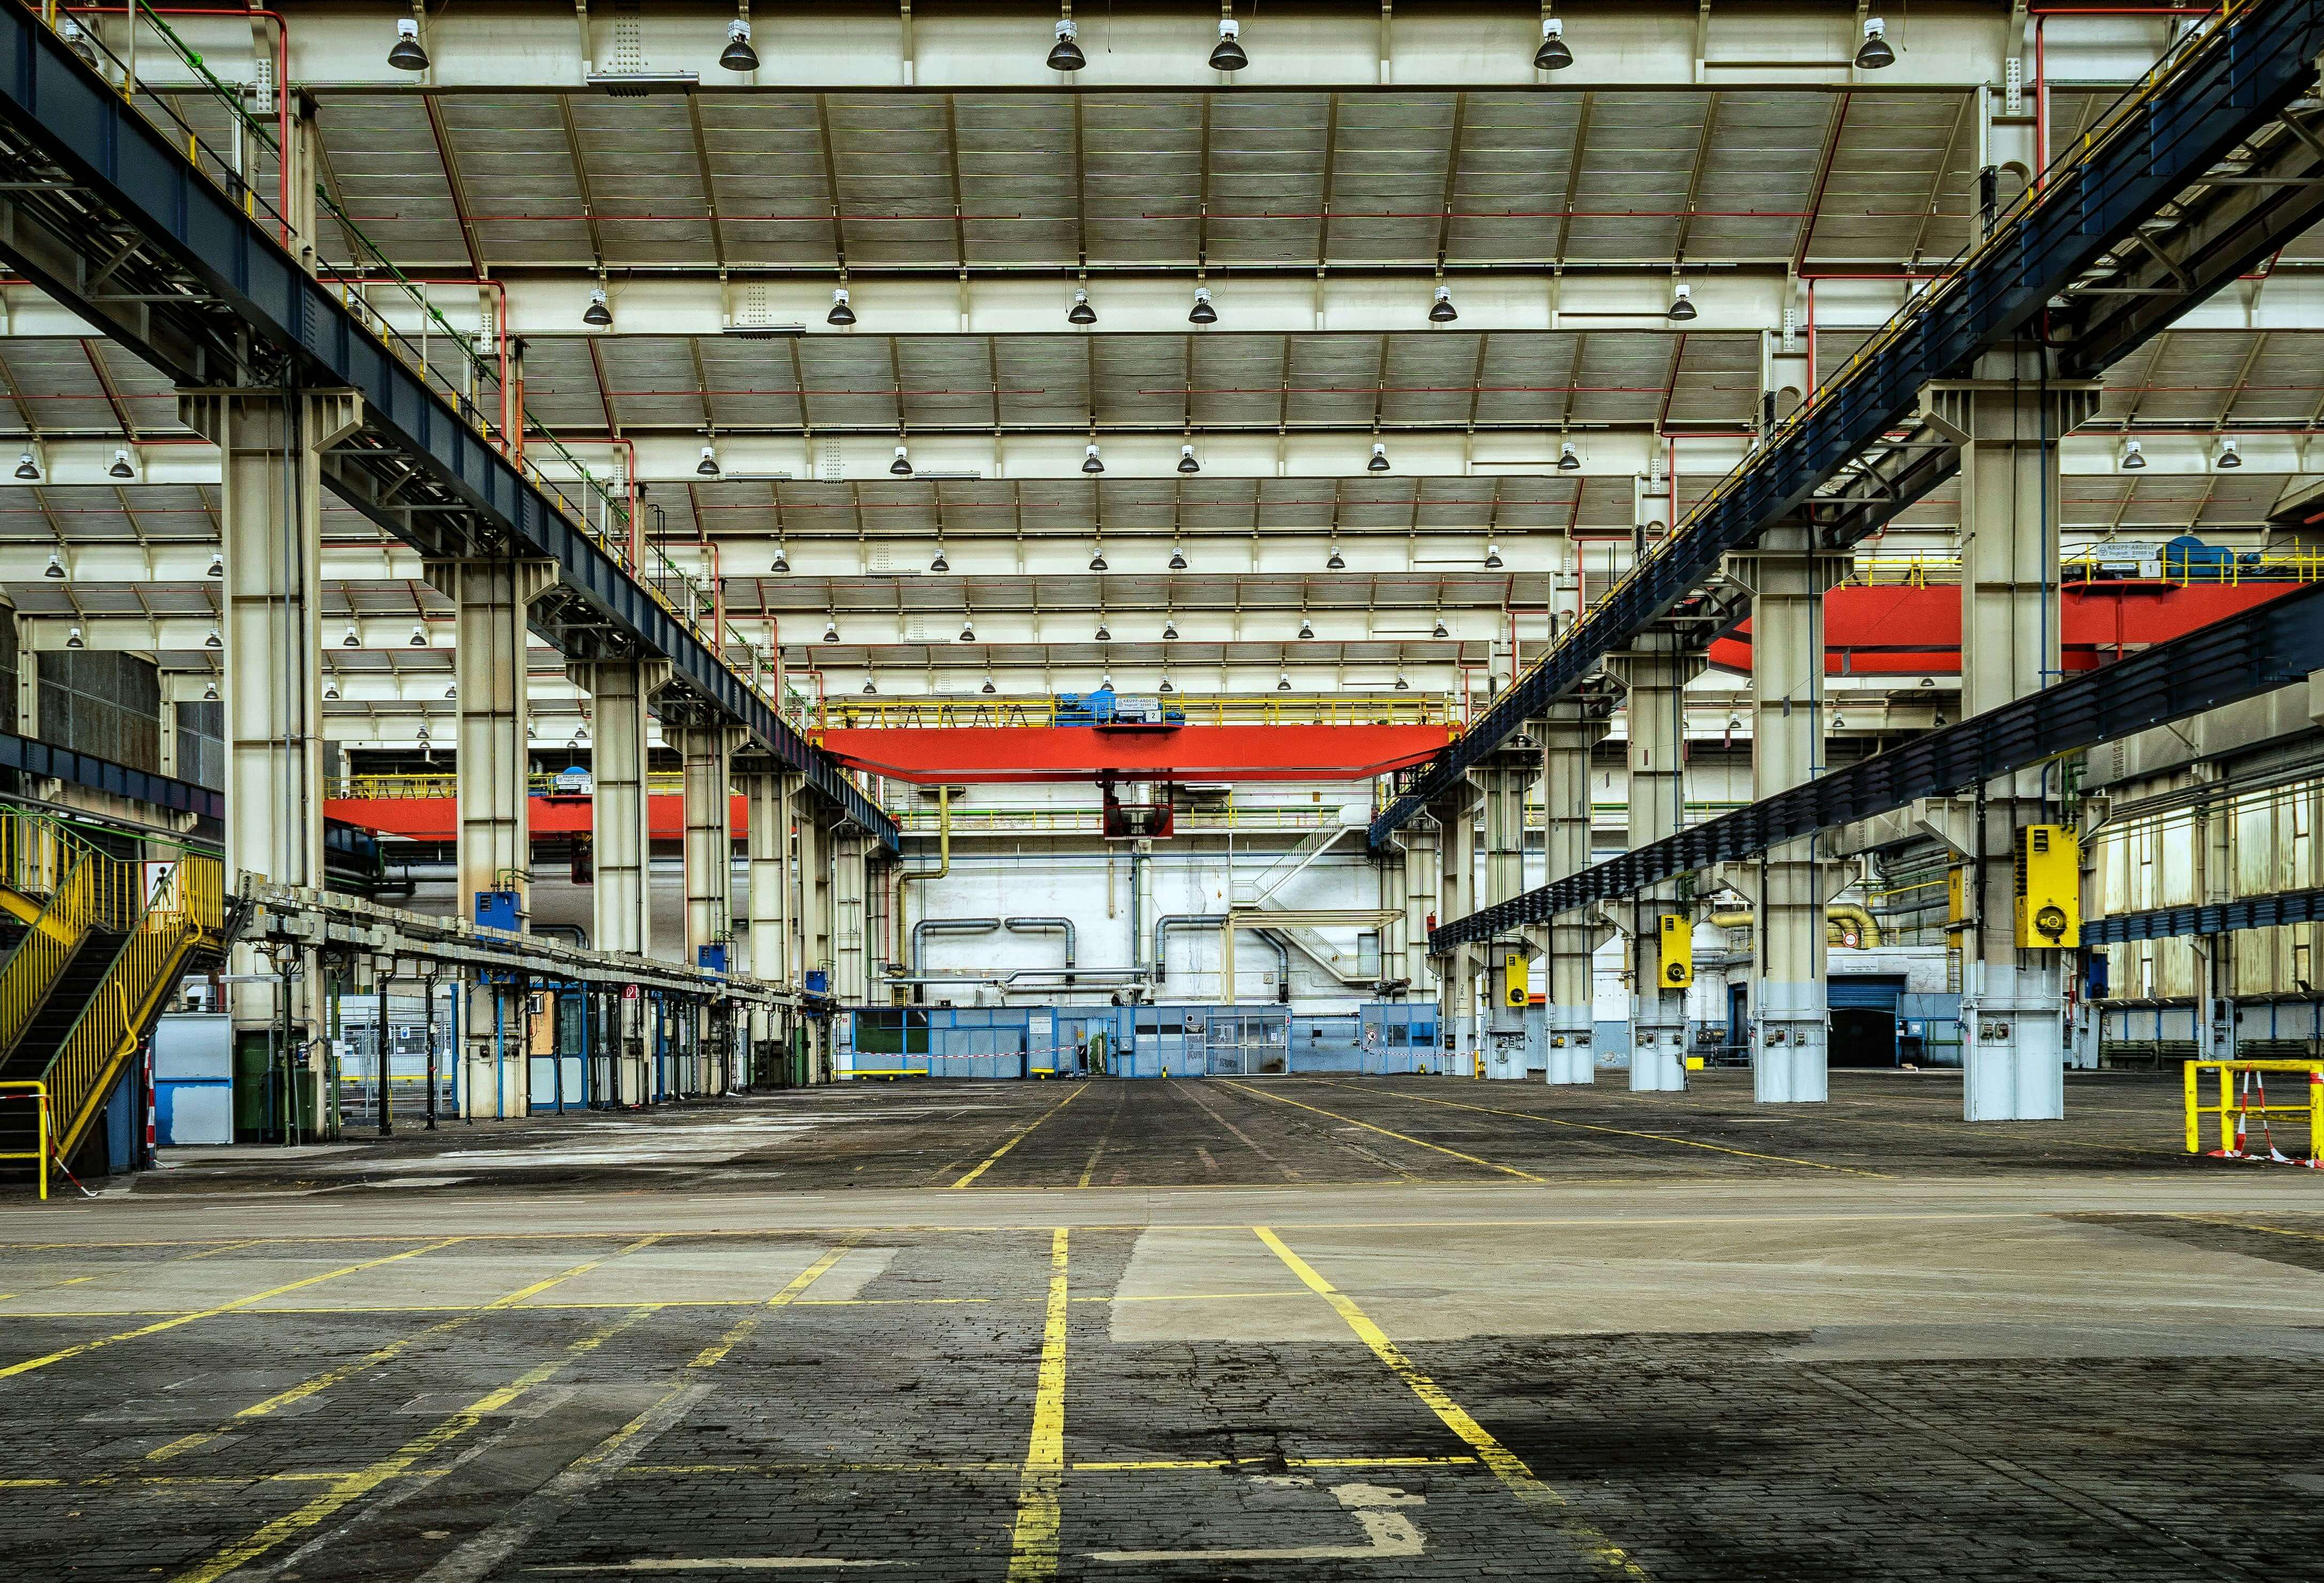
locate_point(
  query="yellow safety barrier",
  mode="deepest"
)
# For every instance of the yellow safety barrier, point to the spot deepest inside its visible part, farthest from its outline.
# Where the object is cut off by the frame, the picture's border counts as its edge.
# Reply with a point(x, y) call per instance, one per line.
point(2240, 1102)
point(189, 909)
point(39, 1094)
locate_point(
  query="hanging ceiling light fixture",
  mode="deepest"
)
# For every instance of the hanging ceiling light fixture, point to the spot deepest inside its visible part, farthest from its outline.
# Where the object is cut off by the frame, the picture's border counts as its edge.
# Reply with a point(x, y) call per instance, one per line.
point(27, 468)
point(75, 39)
point(73, 640)
point(1169, 630)
point(940, 563)
point(1203, 312)
point(1441, 630)
point(1186, 462)
point(1568, 460)
point(988, 687)
point(782, 561)
point(831, 631)
point(209, 692)
point(1283, 683)
point(423, 733)
point(330, 692)
point(214, 641)
point(599, 314)
point(1401, 684)
point(1103, 635)
point(1306, 627)
point(1080, 312)
point(709, 466)
point(121, 467)
point(967, 631)
point(738, 55)
point(351, 641)
point(1378, 463)
point(1554, 54)
point(1166, 689)
point(1227, 54)
point(1441, 312)
point(217, 564)
point(1492, 558)
point(1338, 562)
point(2132, 458)
point(418, 636)
point(1874, 52)
point(55, 568)
point(1682, 305)
point(1092, 462)
point(407, 54)
point(841, 313)
point(452, 691)
point(1066, 54)
point(2229, 457)
point(868, 687)
point(902, 465)
point(1105, 682)
point(1097, 560)
point(1177, 559)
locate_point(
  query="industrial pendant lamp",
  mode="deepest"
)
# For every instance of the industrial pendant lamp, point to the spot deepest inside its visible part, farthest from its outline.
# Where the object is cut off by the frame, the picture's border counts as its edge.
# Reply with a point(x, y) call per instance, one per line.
point(55, 568)
point(351, 641)
point(1401, 684)
point(1338, 562)
point(1227, 54)
point(1875, 52)
point(1166, 689)
point(988, 688)
point(2229, 457)
point(73, 640)
point(27, 468)
point(209, 692)
point(1186, 462)
point(940, 563)
point(76, 40)
point(1103, 634)
point(121, 467)
point(2132, 458)
point(1306, 627)
point(868, 687)
point(217, 564)
point(330, 692)
point(1441, 312)
point(1492, 558)
point(831, 631)
point(967, 632)
point(1080, 312)
point(419, 636)
point(1203, 312)
point(1283, 683)
point(738, 55)
point(841, 313)
point(1568, 460)
point(709, 466)
point(1090, 462)
point(406, 54)
point(1169, 630)
point(1097, 561)
point(599, 314)
point(902, 465)
point(1066, 54)
point(1682, 307)
point(1177, 559)
point(782, 561)
point(1378, 463)
point(1553, 54)
point(1441, 630)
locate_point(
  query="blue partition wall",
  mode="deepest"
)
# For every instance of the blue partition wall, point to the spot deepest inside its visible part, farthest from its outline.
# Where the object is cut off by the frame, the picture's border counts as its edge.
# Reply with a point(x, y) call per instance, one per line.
point(1382, 1038)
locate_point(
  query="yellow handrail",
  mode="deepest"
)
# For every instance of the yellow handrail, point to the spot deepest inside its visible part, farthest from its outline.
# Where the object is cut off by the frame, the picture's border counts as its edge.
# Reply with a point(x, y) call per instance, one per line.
point(40, 1154)
point(187, 907)
point(97, 891)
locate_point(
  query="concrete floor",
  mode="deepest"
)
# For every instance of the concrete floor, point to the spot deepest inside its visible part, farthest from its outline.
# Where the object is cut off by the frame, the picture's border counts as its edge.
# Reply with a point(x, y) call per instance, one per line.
point(1288, 1328)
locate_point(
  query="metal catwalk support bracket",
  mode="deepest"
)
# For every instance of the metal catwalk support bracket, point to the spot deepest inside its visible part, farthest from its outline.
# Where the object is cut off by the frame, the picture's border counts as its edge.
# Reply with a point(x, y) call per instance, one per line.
point(2229, 86)
point(2275, 646)
point(203, 292)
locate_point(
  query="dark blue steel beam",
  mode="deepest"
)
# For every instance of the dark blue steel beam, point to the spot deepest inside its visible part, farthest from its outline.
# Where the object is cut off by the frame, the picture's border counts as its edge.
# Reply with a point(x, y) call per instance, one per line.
point(50, 761)
point(2271, 646)
point(144, 183)
point(2217, 918)
point(2231, 83)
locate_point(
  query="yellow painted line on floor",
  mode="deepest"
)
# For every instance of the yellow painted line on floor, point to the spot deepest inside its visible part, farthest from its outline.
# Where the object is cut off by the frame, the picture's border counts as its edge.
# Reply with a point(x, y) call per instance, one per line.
point(1590, 1126)
point(1399, 1137)
point(1021, 1135)
point(1505, 1465)
point(1033, 1543)
point(270, 1535)
point(369, 1360)
point(2209, 1219)
point(30, 1364)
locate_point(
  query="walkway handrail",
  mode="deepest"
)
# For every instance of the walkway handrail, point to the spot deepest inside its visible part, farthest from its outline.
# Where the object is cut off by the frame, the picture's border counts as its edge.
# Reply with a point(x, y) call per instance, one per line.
point(39, 1095)
point(97, 892)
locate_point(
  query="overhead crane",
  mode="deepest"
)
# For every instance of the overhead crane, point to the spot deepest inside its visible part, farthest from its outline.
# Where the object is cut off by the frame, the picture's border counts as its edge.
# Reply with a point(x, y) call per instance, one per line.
point(2209, 171)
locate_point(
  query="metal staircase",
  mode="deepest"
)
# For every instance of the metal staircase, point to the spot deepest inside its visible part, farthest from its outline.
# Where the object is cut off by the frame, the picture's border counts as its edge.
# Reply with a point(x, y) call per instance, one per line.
point(1260, 894)
point(100, 942)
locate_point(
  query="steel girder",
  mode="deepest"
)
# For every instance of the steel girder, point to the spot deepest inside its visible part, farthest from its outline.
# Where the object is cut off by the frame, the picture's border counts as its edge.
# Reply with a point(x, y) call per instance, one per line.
point(2226, 88)
point(121, 227)
point(2278, 643)
point(2216, 918)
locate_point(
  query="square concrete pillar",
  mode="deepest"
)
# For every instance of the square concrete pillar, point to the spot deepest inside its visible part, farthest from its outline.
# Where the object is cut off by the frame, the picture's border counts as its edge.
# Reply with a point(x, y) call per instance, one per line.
point(1571, 728)
point(621, 693)
point(1656, 670)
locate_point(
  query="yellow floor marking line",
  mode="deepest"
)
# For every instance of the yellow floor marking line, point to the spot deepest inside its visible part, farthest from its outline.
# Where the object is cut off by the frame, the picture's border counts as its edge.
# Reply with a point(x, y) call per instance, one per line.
point(1505, 1464)
point(400, 1462)
point(2208, 1219)
point(1021, 1135)
point(1399, 1137)
point(1588, 1126)
point(1179, 1465)
point(369, 1360)
point(75, 1351)
point(1033, 1544)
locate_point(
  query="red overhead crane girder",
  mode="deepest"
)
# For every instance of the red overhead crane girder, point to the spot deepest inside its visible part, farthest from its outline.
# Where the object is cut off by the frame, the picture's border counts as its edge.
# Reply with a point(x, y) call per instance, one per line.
point(993, 754)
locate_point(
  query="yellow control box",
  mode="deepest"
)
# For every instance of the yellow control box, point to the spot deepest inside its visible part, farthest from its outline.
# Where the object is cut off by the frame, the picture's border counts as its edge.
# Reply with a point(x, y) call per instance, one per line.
point(1677, 940)
point(1516, 984)
point(2049, 888)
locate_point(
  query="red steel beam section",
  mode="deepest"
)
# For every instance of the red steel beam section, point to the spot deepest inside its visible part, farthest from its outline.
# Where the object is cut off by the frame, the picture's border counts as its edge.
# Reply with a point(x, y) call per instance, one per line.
point(1916, 631)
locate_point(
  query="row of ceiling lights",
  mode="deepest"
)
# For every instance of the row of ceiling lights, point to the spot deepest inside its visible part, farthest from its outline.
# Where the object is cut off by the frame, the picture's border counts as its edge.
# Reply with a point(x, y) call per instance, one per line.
point(1094, 460)
point(1337, 563)
point(1105, 684)
point(1226, 53)
point(1104, 634)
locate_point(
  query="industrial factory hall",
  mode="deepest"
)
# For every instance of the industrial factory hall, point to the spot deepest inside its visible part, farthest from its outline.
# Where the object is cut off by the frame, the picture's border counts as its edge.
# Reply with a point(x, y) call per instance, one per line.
point(999, 791)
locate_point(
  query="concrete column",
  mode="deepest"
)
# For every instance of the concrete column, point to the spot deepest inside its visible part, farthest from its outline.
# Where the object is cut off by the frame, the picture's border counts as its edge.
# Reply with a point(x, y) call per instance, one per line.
point(815, 824)
point(850, 921)
point(1567, 735)
point(1510, 1049)
point(271, 679)
point(1456, 983)
point(1656, 670)
point(706, 747)
point(1791, 1038)
point(621, 842)
point(1423, 842)
point(493, 597)
point(2013, 1001)
point(767, 793)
